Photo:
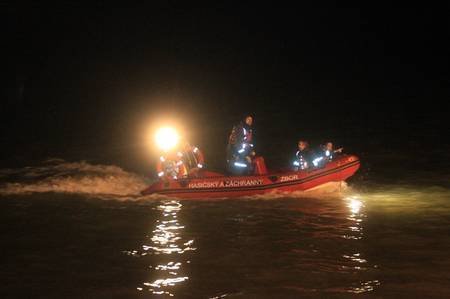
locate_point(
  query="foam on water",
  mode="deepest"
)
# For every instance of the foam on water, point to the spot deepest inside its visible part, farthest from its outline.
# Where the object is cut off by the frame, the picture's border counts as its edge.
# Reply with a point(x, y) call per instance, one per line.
point(71, 177)
point(327, 190)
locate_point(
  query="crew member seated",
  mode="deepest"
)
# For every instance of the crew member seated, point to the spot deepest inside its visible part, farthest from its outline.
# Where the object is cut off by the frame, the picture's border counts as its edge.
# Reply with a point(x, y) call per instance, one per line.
point(181, 163)
point(170, 165)
point(302, 156)
point(329, 151)
point(326, 154)
point(192, 158)
point(240, 151)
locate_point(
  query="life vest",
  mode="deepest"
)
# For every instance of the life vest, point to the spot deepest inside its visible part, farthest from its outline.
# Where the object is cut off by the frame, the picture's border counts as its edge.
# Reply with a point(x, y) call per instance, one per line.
point(301, 161)
point(171, 166)
point(200, 157)
point(240, 134)
point(245, 147)
point(327, 156)
point(179, 164)
point(193, 158)
point(248, 134)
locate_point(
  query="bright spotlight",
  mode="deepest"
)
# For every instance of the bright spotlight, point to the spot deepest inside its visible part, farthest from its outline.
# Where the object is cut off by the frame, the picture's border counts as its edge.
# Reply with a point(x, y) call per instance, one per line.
point(166, 138)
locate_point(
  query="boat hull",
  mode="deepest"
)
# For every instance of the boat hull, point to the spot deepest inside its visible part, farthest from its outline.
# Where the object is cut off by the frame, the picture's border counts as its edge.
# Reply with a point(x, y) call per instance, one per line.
point(219, 186)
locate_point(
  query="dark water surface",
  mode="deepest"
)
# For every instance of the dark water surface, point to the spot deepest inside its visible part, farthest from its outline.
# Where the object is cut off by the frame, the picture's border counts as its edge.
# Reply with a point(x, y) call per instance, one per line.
point(371, 239)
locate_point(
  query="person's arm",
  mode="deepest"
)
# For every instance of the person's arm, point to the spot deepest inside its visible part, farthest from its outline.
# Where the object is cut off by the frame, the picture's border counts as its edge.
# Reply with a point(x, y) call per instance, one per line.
point(239, 134)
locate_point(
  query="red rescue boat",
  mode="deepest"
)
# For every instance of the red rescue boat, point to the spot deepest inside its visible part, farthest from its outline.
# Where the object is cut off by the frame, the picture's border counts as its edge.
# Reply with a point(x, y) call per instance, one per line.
point(208, 184)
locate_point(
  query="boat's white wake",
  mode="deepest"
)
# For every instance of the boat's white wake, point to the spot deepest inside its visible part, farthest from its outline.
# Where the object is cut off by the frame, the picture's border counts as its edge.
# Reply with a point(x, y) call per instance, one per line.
point(71, 177)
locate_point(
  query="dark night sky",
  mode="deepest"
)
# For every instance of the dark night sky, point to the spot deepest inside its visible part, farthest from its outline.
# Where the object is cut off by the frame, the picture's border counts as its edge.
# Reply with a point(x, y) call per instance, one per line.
point(89, 76)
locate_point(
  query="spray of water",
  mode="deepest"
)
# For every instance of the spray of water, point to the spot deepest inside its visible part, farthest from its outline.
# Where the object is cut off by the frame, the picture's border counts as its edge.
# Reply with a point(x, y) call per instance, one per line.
point(71, 177)
point(328, 190)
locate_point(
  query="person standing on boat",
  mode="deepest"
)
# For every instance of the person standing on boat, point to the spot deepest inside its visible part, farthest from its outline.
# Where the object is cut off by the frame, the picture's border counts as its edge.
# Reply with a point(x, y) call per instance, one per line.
point(240, 152)
point(302, 156)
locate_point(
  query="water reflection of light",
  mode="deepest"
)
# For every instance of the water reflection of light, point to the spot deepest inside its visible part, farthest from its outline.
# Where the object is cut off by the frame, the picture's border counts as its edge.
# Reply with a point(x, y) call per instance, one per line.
point(165, 282)
point(168, 266)
point(365, 286)
point(167, 241)
point(355, 232)
point(355, 205)
point(355, 258)
point(356, 216)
